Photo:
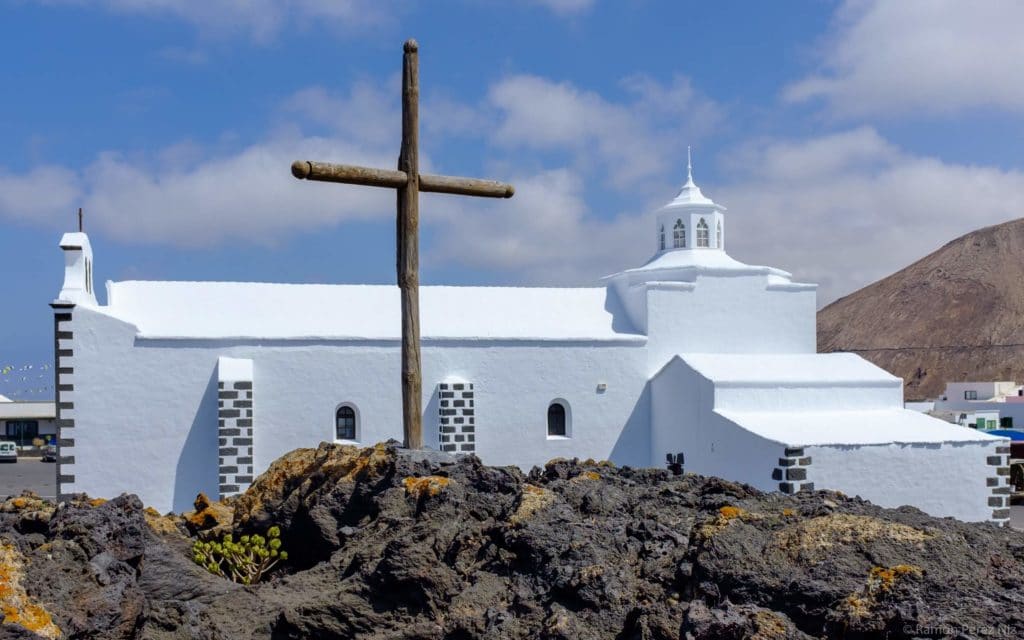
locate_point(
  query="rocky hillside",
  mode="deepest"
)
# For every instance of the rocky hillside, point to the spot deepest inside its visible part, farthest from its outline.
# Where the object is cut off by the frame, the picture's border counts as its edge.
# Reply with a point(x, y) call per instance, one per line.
point(387, 544)
point(956, 314)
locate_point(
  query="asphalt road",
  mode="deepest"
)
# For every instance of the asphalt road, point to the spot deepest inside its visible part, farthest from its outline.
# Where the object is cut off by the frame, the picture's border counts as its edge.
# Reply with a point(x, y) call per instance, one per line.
point(41, 477)
point(28, 473)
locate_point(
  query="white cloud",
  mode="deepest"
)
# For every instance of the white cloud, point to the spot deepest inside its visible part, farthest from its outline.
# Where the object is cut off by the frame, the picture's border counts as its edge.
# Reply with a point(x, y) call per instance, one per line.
point(846, 209)
point(260, 19)
point(555, 230)
point(630, 140)
point(39, 196)
point(263, 20)
point(189, 194)
point(565, 7)
point(913, 56)
point(546, 234)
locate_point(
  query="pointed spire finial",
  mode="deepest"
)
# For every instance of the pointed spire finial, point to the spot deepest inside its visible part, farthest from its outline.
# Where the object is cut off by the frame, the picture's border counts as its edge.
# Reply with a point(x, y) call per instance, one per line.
point(689, 165)
point(80, 226)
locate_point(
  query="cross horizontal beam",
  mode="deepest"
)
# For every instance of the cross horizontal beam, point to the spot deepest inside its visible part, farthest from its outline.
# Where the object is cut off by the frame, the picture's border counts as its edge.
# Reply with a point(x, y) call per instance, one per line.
point(351, 174)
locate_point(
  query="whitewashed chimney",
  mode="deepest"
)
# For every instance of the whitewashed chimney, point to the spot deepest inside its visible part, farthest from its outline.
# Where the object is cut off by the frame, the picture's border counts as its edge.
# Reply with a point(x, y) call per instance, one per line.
point(77, 287)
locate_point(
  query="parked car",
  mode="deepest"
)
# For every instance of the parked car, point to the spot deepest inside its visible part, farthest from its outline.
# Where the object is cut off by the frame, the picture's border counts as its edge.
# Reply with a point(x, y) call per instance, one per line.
point(50, 453)
point(8, 452)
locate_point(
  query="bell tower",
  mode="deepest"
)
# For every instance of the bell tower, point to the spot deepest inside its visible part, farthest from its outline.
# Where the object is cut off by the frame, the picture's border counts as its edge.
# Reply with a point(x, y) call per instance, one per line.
point(691, 220)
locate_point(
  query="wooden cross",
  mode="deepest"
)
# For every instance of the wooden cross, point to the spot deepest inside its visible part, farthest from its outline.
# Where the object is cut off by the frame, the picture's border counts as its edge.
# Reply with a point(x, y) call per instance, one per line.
point(408, 181)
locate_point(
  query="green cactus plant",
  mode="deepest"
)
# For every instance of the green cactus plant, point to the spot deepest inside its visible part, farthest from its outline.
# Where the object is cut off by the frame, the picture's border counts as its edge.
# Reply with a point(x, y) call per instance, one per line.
point(246, 561)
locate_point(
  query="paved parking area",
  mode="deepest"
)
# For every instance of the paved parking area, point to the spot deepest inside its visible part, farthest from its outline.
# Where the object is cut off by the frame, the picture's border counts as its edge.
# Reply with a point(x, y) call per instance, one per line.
point(28, 473)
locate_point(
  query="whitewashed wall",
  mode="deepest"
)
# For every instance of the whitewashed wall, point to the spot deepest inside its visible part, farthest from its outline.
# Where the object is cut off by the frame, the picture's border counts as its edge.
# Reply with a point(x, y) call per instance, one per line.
point(940, 479)
point(146, 413)
point(728, 315)
point(683, 420)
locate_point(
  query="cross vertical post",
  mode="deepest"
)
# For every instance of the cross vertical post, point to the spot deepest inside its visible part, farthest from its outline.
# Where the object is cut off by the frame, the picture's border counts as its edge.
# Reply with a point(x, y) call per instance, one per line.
point(408, 250)
point(408, 183)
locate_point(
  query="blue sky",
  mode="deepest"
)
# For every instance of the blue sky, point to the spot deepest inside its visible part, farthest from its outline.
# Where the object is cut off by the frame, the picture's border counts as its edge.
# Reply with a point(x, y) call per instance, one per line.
point(847, 139)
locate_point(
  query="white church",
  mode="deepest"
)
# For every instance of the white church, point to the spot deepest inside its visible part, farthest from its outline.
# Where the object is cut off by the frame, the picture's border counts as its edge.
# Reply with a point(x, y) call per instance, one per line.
point(172, 388)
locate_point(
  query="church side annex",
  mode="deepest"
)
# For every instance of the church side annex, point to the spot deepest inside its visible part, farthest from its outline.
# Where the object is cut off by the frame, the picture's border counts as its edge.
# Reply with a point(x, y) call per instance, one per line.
point(172, 388)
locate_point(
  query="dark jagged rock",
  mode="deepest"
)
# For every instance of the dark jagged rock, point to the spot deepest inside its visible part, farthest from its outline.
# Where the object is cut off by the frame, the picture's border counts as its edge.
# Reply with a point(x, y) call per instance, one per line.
point(392, 544)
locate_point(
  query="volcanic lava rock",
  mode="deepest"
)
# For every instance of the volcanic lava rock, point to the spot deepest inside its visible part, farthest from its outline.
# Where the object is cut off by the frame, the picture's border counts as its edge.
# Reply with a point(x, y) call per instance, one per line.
point(387, 543)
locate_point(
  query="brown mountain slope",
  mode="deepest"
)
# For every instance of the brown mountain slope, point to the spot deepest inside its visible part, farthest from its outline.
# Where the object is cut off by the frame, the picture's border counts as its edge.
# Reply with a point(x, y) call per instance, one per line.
point(956, 314)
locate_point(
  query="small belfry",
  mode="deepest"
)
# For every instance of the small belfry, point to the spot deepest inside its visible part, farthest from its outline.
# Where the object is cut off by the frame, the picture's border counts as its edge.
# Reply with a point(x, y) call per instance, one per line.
point(691, 220)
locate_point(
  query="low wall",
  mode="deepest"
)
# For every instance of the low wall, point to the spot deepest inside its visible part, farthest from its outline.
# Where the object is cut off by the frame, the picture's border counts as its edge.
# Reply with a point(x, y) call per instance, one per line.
point(969, 481)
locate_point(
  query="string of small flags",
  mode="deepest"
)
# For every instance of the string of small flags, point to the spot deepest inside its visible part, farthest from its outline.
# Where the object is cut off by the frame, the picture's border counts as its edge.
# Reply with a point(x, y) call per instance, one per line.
point(26, 380)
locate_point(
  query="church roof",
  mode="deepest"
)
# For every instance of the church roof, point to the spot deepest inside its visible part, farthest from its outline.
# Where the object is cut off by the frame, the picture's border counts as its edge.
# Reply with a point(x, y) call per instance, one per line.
point(248, 310)
point(789, 369)
point(852, 427)
point(705, 262)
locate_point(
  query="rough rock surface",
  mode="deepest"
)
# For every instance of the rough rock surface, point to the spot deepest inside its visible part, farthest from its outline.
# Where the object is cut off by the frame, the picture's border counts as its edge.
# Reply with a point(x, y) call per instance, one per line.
point(952, 315)
point(385, 544)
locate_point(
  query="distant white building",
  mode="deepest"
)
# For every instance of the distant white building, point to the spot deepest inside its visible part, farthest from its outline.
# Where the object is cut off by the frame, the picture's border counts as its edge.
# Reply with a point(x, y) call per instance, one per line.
point(984, 405)
point(172, 388)
point(26, 422)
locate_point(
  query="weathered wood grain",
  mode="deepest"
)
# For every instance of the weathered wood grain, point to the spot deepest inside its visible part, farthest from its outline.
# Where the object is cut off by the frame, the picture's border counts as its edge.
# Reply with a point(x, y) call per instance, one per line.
point(409, 250)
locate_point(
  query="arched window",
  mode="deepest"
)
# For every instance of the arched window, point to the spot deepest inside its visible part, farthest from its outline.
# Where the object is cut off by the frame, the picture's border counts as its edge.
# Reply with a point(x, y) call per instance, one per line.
point(679, 235)
point(702, 233)
point(558, 420)
point(718, 235)
point(661, 238)
point(345, 423)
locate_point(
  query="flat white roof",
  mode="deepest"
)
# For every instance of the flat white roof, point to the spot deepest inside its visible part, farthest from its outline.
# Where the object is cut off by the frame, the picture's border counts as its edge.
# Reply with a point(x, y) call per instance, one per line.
point(27, 410)
point(225, 310)
point(868, 427)
point(798, 369)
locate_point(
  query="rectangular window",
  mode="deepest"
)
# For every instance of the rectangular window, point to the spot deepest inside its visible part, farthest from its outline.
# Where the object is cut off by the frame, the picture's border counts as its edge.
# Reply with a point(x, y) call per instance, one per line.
point(23, 432)
point(970, 395)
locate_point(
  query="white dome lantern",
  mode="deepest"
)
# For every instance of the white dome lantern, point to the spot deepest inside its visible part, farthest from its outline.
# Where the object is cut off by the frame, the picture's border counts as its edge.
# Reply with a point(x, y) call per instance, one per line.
point(691, 220)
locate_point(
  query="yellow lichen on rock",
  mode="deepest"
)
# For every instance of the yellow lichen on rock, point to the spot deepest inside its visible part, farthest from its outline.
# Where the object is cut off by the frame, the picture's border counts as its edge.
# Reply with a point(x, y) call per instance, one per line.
point(15, 604)
point(768, 625)
point(533, 500)
point(881, 581)
point(209, 515)
point(96, 502)
point(587, 475)
point(162, 524)
point(884, 578)
point(726, 514)
point(816, 536)
point(729, 512)
point(326, 464)
point(426, 486)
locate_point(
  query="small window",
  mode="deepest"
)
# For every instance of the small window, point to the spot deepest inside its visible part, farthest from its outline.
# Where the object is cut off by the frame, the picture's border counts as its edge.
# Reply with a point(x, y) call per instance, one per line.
point(661, 238)
point(345, 423)
point(558, 420)
point(679, 235)
point(23, 432)
point(702, 233)
point(970, 395)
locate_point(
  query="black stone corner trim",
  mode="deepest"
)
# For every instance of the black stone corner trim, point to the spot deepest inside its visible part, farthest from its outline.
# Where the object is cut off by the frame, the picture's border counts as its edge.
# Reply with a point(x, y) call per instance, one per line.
point(456, 420)
point(62, 305)
point(65, 479)
point(793, 468)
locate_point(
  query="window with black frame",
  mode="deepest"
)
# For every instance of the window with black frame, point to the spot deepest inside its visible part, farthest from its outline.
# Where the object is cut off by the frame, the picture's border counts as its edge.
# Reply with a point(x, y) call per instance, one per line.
point(556, 419)
point(23, 432)
point(345, 423)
